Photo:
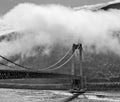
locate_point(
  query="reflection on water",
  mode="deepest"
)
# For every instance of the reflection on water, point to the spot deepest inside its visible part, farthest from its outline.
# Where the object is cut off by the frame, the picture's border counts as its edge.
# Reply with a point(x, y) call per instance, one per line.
point(21, 95)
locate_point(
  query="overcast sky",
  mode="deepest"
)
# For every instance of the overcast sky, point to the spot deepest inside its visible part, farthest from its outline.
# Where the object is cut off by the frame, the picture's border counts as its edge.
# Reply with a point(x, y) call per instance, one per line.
point(6, 5)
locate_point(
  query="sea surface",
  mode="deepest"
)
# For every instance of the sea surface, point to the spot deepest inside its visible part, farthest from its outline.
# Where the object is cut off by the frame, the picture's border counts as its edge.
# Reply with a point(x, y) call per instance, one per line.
point(25, 95)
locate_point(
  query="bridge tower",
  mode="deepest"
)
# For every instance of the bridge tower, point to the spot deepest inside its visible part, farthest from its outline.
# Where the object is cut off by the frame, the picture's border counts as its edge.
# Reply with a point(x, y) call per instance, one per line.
point(78, 83)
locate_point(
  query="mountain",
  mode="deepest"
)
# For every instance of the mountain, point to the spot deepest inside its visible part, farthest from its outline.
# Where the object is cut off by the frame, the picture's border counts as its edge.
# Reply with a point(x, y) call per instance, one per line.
point(94, 65)
point(102, 6)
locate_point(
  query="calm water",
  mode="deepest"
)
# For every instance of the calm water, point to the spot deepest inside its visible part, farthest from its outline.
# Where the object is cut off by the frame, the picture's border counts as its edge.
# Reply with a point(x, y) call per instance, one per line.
point(18, 95)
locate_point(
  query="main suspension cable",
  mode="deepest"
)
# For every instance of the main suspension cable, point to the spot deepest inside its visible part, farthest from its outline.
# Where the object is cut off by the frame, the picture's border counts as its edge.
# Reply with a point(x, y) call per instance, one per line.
point(33, 69)
point(47, 68)
point(64, 63)
point(15, 63)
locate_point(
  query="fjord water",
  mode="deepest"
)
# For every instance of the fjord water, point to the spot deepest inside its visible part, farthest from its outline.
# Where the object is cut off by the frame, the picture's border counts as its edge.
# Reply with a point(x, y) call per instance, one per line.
point(25, 95)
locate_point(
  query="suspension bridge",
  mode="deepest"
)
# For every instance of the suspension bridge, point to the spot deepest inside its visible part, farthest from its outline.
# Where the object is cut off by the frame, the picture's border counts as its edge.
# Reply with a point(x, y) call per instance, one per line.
point(46, 78)
point(49, 69)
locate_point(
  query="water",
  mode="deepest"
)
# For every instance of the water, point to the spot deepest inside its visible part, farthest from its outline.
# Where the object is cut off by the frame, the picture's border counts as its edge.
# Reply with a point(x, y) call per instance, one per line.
point(22, 95)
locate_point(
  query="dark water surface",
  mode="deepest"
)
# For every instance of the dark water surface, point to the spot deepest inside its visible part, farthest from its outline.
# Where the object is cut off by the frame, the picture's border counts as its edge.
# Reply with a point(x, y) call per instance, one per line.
point(21, 95)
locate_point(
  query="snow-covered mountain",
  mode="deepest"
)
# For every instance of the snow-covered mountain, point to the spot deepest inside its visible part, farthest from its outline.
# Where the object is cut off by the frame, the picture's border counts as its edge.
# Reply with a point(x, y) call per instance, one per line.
point(105, 6)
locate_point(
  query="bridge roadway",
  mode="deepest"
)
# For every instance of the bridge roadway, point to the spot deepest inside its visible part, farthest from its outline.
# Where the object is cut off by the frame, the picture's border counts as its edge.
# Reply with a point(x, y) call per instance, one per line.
point(47, 80)
point(16, 74)
point(102, 86)
point(23, 79)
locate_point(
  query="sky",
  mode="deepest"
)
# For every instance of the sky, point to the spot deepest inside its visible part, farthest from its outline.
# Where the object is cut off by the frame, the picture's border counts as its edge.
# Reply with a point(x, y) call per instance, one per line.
point(6, 5)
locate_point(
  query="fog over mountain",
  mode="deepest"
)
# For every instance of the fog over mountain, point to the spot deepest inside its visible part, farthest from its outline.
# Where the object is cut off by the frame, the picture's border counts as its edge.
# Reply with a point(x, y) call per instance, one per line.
point(37, 36)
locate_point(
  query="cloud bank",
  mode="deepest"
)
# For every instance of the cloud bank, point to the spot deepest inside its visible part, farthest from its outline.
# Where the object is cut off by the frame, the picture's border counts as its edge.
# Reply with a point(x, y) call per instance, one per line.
point(47, 25)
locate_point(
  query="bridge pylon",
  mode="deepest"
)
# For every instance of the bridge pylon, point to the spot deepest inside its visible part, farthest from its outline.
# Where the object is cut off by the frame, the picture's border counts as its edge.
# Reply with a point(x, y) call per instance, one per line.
point(78, 82)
